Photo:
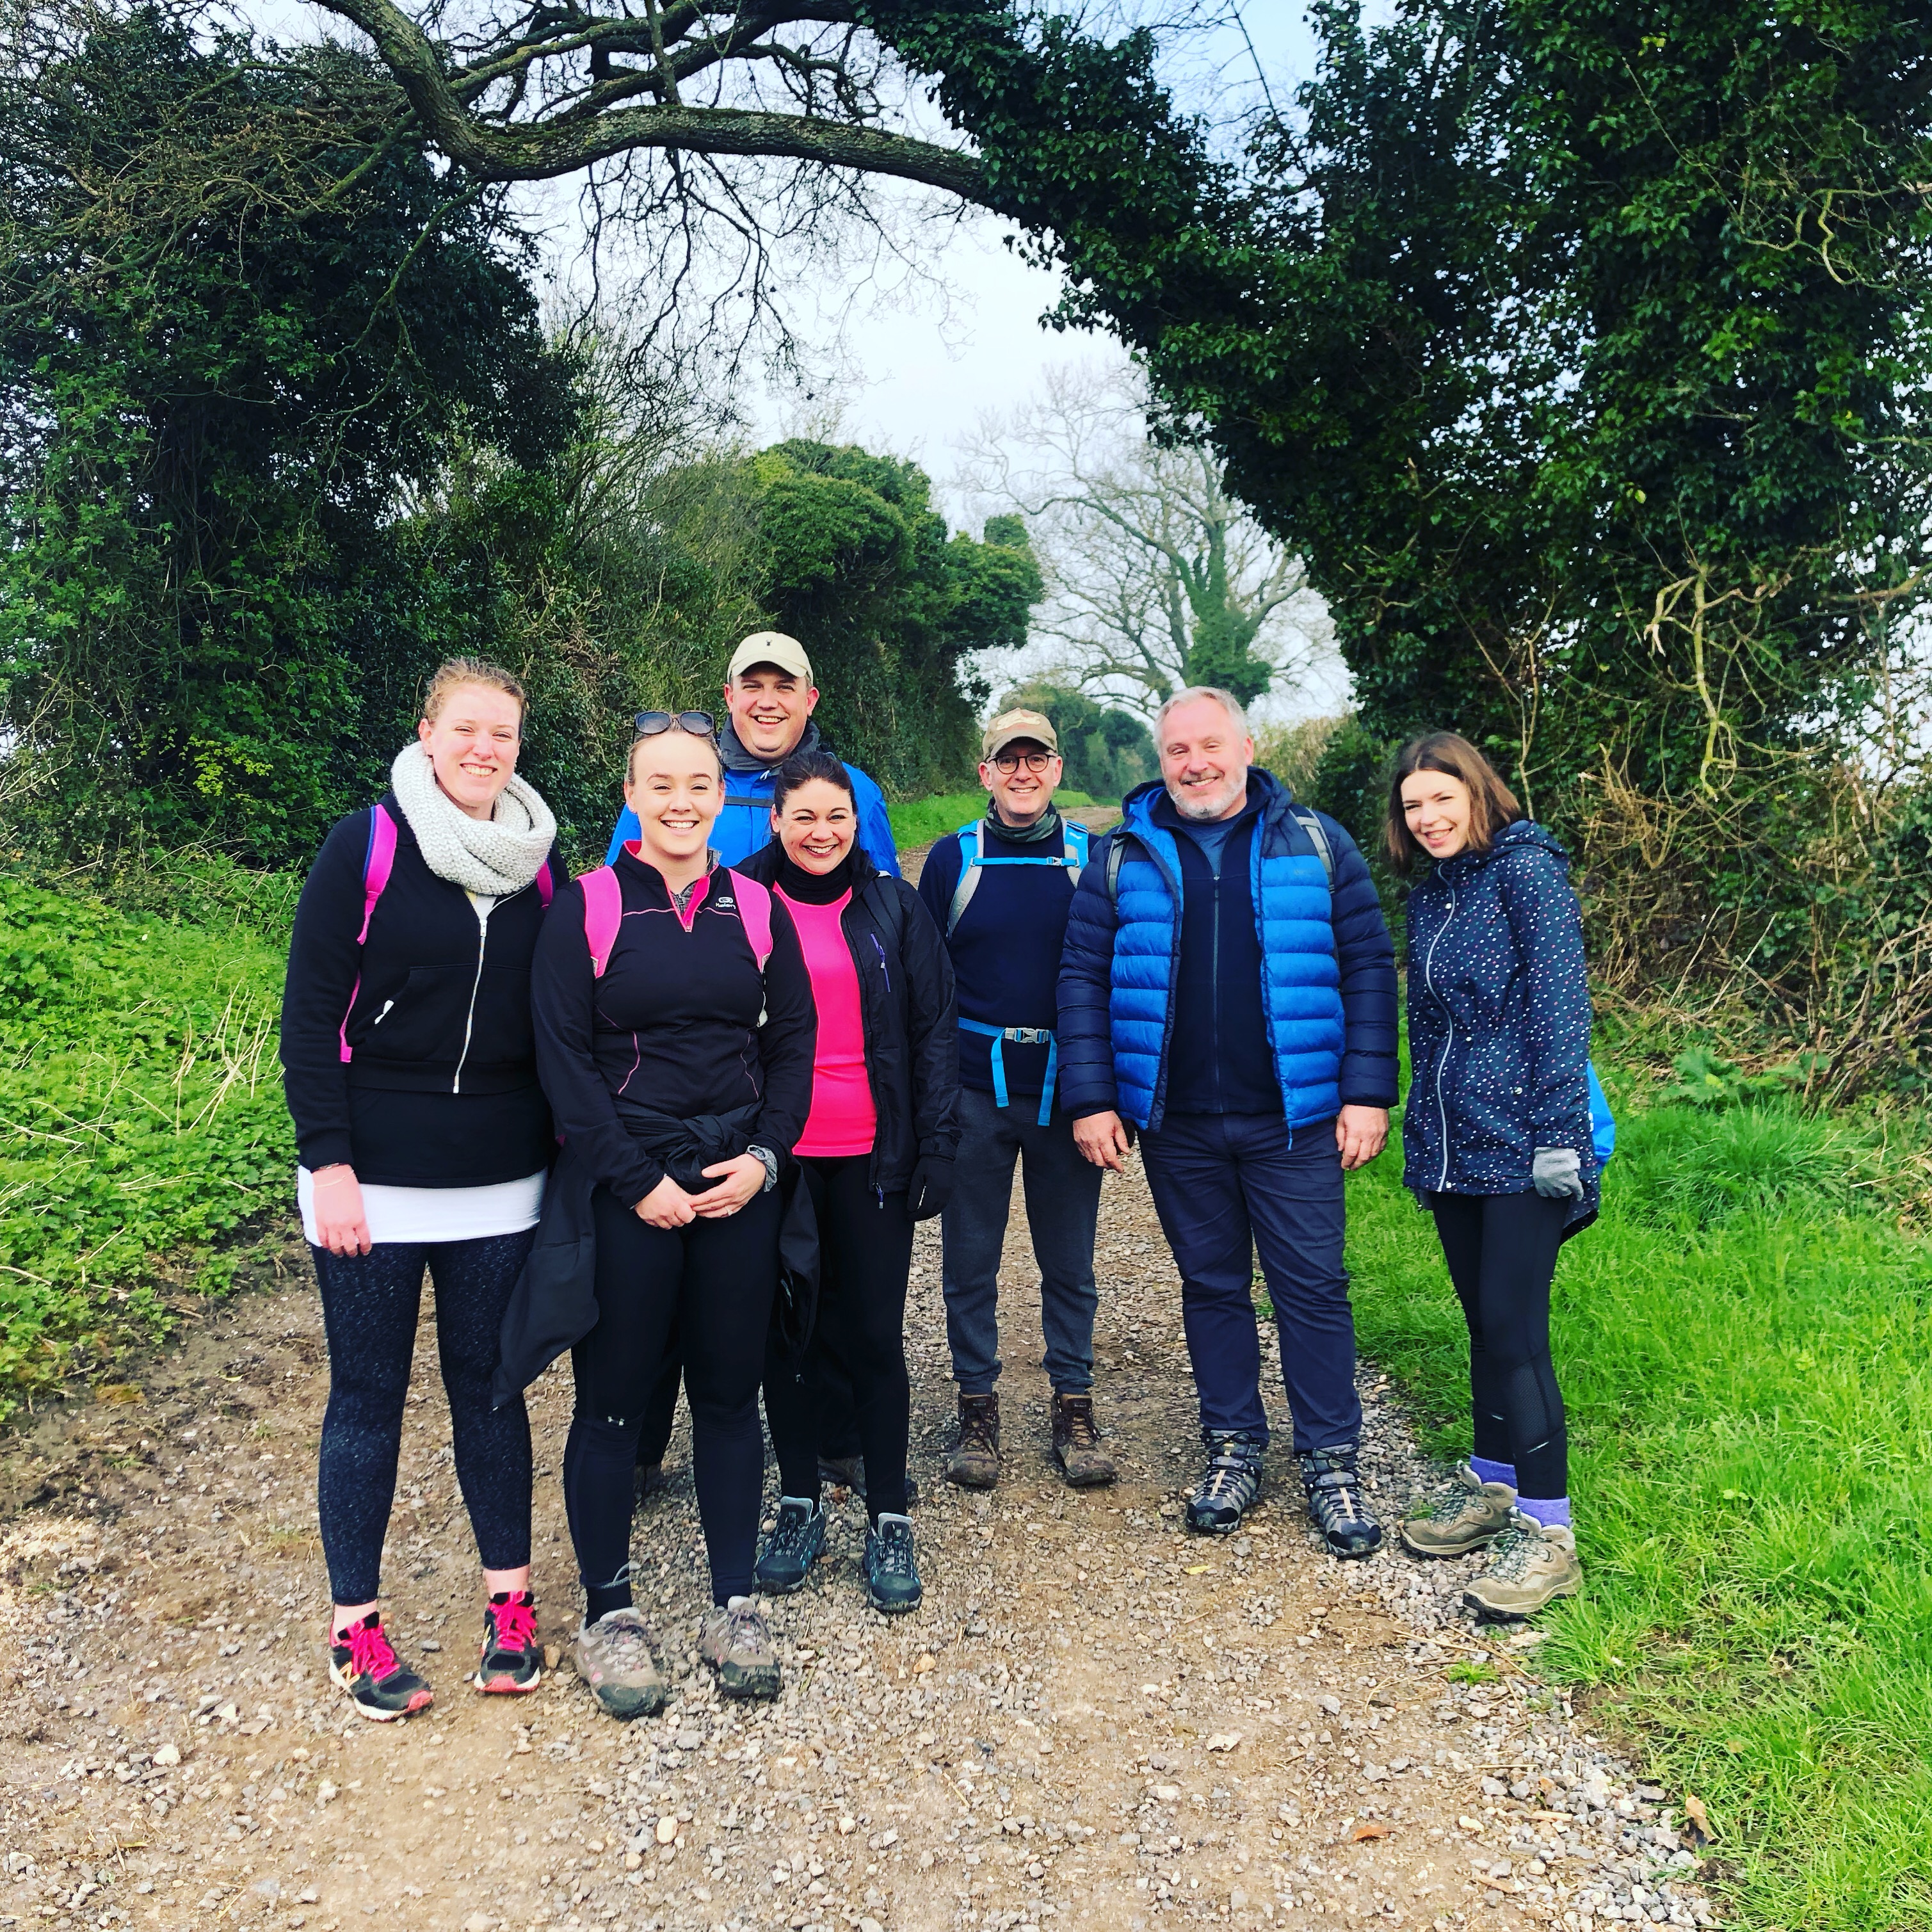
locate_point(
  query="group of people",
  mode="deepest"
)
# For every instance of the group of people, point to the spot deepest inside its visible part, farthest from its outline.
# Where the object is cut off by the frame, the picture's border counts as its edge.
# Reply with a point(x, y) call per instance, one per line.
point(679, 1118)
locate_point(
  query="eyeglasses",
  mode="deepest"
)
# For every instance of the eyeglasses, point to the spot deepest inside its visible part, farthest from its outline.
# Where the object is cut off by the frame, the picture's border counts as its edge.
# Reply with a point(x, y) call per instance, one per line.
point(699, 723)
point(1008, 763)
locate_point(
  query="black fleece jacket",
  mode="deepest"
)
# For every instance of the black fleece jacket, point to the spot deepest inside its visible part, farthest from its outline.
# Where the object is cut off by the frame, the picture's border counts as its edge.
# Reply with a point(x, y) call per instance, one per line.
point(441, 1089)
point(673, 1027)
point(909, 1010)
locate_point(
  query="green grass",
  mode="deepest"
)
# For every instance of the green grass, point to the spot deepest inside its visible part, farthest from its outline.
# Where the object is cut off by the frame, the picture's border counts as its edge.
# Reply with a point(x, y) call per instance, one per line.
point(141, 1115)
point(1745, 1347)
point(923, 820)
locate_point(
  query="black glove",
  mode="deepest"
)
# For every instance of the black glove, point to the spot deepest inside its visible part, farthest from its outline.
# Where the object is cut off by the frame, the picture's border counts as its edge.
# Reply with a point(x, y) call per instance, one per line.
point(931, 1187)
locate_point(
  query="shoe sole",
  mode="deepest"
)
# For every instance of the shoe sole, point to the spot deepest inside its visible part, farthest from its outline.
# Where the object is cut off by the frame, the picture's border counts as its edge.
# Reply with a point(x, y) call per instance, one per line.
point(504, 1685)
point(886, 1610)
point(1470, 1601)
point(1353, 1555)
point(626, 1705)
point(421, 1702)
point(1450, 1550)
point(762, 1681)
point(1093, 1480)
point(960, 1479)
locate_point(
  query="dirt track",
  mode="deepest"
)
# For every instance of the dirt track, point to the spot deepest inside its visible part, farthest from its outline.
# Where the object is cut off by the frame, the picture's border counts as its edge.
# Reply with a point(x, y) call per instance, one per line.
point(1093, 1721)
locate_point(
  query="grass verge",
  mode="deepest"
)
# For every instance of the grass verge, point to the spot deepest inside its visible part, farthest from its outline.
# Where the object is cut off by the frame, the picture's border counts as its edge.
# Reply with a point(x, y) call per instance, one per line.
point(141, 1116)
point(923, 820)
point(1745, 1348)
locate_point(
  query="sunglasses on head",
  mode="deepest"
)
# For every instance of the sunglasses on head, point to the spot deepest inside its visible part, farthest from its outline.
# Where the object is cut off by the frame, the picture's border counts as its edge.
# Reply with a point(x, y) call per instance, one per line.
point(699, 723)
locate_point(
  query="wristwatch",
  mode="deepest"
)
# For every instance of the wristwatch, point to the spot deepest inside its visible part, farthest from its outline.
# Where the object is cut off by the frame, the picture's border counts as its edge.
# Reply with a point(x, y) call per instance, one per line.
point(771, 1161)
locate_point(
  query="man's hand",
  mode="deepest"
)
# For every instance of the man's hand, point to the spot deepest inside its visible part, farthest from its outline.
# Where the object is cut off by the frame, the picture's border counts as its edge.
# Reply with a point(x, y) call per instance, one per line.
point(668, 1206)
point(1361, 1133)
point(340, 1224)
point(741, 1180)
point(1103, 1139)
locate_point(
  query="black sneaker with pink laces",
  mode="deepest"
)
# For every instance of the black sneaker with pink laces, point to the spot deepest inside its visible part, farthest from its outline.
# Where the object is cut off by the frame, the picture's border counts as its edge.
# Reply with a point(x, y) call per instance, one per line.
point(380, 1685)
point(512, 1659)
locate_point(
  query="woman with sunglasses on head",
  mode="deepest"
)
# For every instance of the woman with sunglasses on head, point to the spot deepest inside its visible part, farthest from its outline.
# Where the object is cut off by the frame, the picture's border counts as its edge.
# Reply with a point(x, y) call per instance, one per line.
point(674, 1030)
point(877, 1155)
point(424, 1140)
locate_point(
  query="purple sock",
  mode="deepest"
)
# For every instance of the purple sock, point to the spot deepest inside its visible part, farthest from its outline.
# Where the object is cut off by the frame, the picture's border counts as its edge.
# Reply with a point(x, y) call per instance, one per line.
point(1487, 1472)
point(1549, 1511)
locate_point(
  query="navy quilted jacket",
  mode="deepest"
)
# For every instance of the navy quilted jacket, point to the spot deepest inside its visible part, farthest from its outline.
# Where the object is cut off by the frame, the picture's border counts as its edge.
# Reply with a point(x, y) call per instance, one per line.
point(1327, 969)
point(1499, 1021)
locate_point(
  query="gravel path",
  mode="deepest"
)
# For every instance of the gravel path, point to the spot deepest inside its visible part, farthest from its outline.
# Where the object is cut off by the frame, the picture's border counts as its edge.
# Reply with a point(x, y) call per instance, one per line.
point(1095, 1721)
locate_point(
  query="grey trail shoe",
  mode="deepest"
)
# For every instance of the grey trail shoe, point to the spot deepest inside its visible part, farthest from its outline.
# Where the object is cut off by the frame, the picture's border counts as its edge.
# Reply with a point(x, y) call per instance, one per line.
point(974, 1461)
point(1228, 1486)
point(1467, 1514)
point(1534, 1563)
point(1335, 1503)
point(892, 1566)
point(795, 1544)
point(733, 1641)
point(1076, 1444)
point(614, 1658)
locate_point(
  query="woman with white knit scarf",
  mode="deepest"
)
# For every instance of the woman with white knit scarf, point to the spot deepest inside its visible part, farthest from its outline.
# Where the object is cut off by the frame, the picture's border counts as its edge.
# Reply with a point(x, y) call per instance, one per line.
point(425, 1141)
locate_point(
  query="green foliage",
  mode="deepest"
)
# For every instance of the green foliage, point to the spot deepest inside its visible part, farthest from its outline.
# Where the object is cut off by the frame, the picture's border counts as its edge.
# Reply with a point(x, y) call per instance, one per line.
point(1470, 1673)
point(921, 821)
point(142, 1110)
point(854, 562)
point(1742, 1340)
point(1107, 752)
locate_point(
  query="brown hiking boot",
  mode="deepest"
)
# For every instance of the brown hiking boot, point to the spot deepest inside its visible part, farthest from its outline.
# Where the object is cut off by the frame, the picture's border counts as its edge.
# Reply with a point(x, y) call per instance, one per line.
point(974, 1463)
point(1076, 1444)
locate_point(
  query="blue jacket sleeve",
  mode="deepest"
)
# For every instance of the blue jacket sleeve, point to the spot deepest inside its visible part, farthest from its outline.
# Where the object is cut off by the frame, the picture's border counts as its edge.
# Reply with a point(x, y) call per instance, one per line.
point(627, 829)
point(1086, 1038)
point(1365, 956)
point(875, 824)
point(939, 879)
point(1548, 927)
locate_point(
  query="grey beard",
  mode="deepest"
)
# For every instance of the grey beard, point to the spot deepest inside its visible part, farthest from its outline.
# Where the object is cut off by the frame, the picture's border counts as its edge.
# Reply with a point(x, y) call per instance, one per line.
point(1204, 814)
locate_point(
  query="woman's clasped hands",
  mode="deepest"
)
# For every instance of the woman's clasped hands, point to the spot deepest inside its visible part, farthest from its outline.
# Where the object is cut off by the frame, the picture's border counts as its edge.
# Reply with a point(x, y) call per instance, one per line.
point(668, 1205)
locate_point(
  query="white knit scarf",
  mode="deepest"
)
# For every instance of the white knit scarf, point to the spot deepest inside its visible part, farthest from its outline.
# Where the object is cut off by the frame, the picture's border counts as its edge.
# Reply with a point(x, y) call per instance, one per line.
point(494, 857)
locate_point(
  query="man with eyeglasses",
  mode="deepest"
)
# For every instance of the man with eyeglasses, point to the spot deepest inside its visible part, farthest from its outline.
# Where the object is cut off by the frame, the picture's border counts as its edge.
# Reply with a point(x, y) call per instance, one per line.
point(999, 890)
point(769, 701)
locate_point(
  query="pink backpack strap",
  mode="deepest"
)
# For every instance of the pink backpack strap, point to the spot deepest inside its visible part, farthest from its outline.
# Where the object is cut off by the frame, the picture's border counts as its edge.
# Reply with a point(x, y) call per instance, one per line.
point(378, 861)
point(546, 887)
point(755, 909)
point(603, 913)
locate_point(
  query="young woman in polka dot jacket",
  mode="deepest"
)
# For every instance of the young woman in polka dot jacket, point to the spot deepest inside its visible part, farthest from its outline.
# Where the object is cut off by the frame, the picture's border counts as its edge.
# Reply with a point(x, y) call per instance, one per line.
point(1497, 1144)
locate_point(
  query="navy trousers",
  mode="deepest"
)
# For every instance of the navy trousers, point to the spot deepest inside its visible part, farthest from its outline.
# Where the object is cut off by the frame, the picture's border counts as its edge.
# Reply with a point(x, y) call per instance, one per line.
point(1225, 1185)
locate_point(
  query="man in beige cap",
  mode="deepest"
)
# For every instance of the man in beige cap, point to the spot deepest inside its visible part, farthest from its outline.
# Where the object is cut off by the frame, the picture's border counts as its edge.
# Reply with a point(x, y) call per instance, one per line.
point(769, 701)
point(999, 889)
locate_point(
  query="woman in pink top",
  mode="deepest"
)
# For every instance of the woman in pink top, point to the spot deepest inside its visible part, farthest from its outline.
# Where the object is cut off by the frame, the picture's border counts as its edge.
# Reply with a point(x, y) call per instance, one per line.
point(877, 1154)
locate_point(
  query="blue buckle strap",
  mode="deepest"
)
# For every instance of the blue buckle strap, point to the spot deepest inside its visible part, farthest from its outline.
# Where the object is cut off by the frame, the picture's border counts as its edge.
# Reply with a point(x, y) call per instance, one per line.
point(1020, 1037)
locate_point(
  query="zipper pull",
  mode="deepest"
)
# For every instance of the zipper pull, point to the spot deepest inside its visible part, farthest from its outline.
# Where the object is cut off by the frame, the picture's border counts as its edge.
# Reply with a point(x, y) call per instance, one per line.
point(383, 1015)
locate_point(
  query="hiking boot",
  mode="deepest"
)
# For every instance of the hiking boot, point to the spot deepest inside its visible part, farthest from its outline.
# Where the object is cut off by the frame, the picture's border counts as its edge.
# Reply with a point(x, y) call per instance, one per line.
point(511, 1662)
point(733, 1641)
point(1230, 1484)
point(614, 1658)
point(1335, 1505)
point(1468, 1513)
point(797, 1538)
point(974, 1461)
point(848, 1472)
point(892, 1566)
point(1076, 1444)
point(380, 1685)
point(1533, 1563)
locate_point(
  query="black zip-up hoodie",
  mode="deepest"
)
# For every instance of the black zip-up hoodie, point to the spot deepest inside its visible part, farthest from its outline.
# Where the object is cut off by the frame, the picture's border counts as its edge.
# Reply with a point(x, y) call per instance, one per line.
point(908, 1008)
point(674, 1027)
point(441, 1089)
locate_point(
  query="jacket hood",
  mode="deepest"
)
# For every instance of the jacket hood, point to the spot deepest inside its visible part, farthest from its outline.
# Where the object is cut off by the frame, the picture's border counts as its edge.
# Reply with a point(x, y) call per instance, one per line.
point(738, 759)
point(1520, 835)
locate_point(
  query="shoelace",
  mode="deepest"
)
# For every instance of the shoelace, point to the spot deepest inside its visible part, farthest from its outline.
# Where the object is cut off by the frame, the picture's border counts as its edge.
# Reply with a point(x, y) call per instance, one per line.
point(1228, 1469)
point(1516, 1550)
point(789, 1534)
point(625, 1638)
point(1452, 1502)
point(745, 1630)
point(370, 1653)
point(894, 1548)
point(516, 1624)
point(976, 1429)
point(1080, 1432)
point(1336, 1497)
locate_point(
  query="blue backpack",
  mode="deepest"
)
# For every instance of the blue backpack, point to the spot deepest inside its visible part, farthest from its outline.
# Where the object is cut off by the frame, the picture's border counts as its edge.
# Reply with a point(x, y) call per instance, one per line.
point(1603, 1122)
point(1072, 855)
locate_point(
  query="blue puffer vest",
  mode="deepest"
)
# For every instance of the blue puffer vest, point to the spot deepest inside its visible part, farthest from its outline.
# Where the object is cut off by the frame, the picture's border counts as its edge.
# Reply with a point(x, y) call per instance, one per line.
point(1129, 946)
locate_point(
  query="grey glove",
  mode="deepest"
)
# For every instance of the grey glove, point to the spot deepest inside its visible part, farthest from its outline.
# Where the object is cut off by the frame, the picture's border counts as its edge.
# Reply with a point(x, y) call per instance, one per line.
point(1558, 1173)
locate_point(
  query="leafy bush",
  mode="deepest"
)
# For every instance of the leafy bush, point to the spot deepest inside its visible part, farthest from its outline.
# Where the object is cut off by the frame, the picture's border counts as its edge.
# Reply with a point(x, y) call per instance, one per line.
point(141, 1113)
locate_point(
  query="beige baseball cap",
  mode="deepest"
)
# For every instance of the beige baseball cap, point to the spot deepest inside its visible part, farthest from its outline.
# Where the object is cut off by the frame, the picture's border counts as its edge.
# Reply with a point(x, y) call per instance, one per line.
point(769, 647)
point(1012, 726)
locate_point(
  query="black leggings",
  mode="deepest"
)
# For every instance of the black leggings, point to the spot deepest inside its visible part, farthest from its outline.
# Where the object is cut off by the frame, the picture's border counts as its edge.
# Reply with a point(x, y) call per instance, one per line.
point(369, 1308)
point(865, 1256)
point(1502, 1252)
point(715, 1280)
